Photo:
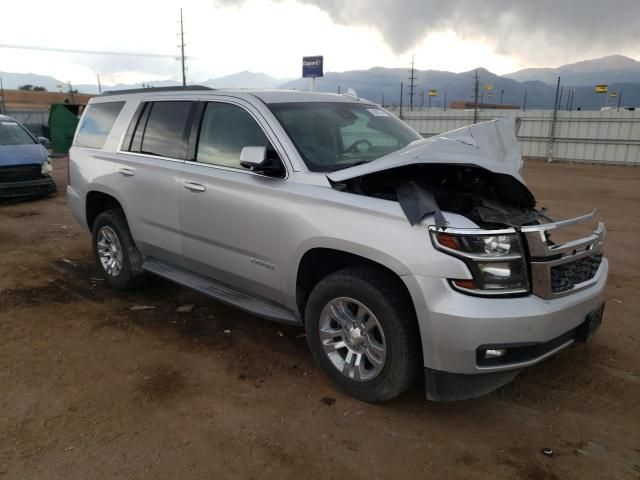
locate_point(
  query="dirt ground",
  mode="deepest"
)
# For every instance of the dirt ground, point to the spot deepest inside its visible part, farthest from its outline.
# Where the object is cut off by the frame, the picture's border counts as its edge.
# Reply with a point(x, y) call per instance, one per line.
point(91, 389)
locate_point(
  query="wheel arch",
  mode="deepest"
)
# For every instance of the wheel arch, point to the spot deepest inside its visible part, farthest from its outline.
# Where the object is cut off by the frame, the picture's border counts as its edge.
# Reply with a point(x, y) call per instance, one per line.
point(96, 202)
point(319, 261)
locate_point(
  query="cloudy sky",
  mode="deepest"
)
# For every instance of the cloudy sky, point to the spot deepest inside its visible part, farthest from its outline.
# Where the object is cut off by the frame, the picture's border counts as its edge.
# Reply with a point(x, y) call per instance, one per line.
point(271, 36)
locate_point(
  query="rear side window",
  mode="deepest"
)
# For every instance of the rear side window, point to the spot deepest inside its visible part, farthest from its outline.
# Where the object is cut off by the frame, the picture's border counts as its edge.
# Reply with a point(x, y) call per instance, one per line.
point(160, 129)
point(96, 124)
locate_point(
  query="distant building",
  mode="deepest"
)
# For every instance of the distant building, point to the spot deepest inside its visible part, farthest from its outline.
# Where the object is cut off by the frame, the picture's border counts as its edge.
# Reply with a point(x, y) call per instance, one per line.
point(27, 99)
point(464, 105)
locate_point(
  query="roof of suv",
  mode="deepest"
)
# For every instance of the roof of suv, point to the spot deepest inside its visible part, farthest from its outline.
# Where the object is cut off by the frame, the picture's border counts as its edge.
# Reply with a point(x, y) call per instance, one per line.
point(267, 96)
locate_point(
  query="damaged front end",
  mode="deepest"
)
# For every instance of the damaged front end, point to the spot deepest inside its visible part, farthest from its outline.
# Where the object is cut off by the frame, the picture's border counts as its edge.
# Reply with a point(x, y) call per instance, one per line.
point(506, 242)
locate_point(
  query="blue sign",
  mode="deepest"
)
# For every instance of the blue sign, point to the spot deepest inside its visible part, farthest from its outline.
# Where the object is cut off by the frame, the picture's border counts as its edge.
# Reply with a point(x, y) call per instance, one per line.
point(312, 66)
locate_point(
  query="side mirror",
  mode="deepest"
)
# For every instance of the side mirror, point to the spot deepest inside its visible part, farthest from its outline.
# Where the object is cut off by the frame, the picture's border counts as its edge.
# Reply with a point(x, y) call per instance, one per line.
point(44, 141)
point(251, 157)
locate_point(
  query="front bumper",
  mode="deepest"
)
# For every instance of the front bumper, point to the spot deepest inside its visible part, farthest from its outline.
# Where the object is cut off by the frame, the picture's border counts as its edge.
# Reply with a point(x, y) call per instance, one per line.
point(446, 387)
point(454, 325)
point(27, 188)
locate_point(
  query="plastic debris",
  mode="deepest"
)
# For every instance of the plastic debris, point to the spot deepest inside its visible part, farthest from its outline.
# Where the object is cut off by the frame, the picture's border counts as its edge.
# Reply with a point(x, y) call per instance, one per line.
point(136, 308)
point(188, 308)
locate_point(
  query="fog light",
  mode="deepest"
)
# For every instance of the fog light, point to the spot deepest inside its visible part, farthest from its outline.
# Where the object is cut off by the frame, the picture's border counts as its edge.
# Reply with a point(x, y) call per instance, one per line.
point(495, 353)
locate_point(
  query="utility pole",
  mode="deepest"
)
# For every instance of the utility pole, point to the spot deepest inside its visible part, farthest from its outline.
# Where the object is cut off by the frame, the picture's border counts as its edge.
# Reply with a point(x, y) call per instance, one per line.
point(560, 97)
point(401, 87)
point(184, 70)
point(338, 89)
point(444, 105)
point(571, 100)
point(619, 97)
point(99, 85)
point(476, 85)
point(568, 99)
point(412, 79)
point(501, 96)
point(3, 108)
point(422, 99)
point(382, 100)
point(524, 103)
point(554, 118)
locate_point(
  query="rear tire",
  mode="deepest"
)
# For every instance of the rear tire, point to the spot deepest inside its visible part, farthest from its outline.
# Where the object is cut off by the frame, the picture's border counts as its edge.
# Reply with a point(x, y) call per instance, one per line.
point(362, 333)
point(115, 251)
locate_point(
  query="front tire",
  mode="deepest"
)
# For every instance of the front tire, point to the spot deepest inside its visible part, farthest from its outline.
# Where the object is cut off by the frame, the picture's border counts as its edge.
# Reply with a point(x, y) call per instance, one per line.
point(363, 334)
point(116, 254)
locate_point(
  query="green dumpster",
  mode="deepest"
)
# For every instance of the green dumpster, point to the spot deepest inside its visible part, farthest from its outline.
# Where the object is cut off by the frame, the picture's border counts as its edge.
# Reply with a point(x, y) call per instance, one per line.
point(63, 120)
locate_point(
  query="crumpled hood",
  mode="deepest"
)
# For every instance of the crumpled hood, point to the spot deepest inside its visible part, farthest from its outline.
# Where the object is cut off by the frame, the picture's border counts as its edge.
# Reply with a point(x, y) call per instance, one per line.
point(492, 145)
point(22, 154)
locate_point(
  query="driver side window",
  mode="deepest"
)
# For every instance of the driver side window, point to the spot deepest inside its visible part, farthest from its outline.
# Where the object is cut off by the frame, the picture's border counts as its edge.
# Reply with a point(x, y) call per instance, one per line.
point(224, 131)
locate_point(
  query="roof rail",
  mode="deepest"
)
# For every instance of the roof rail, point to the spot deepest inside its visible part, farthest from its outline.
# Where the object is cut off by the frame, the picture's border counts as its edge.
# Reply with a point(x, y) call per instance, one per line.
point(177, 88)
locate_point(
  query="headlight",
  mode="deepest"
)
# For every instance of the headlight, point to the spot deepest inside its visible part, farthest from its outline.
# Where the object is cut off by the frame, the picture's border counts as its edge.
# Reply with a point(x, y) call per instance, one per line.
point(46, 167)
point(494, 259)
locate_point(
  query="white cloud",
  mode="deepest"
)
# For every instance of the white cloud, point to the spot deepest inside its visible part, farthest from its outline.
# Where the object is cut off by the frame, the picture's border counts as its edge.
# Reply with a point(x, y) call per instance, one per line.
point(222, 38)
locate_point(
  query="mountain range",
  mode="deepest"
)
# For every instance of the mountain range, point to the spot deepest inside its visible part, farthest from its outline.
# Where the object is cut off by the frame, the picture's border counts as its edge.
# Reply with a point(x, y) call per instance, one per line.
point(382, 85)
point(245, 79)
point(606, 70)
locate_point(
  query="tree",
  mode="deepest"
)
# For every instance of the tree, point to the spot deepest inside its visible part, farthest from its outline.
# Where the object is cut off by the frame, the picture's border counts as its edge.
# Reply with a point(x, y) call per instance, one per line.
point(31, 88)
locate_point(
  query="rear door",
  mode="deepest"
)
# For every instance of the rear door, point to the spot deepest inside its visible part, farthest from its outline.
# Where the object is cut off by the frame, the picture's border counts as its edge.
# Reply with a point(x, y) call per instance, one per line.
point(148, 171)
point(232, 219)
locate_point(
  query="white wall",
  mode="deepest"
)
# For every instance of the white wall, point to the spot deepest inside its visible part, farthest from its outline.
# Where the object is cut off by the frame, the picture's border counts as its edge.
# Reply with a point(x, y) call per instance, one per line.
point(585, 136)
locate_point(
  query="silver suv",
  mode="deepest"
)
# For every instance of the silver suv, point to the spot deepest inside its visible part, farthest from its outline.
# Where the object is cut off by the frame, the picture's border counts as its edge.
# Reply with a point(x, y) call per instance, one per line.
point(402, 257)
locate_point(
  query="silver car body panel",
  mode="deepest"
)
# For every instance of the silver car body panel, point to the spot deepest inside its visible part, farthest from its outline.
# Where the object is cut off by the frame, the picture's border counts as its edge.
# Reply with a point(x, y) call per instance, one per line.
point(251, 232)
point(492, 145)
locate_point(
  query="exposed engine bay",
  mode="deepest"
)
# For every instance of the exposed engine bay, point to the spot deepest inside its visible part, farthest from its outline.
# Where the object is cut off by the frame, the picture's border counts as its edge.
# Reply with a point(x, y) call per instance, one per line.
point(491, 200)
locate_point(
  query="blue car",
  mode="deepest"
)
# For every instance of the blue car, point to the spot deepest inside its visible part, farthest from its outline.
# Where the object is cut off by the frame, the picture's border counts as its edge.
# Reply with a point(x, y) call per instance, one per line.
point(25, 166)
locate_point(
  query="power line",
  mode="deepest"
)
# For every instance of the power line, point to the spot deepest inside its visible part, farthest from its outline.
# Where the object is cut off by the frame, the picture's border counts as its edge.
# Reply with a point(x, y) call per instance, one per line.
point(84, 52)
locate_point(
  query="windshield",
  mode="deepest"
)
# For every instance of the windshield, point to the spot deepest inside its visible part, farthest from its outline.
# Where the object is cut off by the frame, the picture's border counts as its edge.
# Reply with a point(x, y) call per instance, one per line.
point(12, 133)
point(332, 136)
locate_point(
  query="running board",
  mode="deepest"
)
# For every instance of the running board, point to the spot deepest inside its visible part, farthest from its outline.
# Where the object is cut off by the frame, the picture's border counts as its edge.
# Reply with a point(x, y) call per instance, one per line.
point(221, 292)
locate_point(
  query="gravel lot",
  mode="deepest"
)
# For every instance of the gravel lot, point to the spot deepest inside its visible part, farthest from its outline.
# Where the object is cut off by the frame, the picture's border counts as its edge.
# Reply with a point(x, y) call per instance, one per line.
point(91, 388)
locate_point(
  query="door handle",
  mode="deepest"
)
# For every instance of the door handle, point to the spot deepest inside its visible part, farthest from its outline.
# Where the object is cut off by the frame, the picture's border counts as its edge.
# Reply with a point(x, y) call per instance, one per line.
point(126, 171)
point(194, 187)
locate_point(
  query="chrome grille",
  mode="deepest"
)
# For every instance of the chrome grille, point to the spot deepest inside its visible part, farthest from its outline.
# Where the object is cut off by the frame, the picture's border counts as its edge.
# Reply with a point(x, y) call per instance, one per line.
point(565, 268)
point(564, 277)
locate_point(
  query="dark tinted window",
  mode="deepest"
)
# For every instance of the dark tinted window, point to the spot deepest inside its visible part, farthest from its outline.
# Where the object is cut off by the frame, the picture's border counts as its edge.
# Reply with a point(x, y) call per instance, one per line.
point(225, 130)
point(139, 118)
point(96, 124)
point(164, 133)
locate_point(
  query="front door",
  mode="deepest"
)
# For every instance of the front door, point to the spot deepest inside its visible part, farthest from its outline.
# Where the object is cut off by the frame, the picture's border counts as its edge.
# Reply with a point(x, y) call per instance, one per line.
point(231, 218)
